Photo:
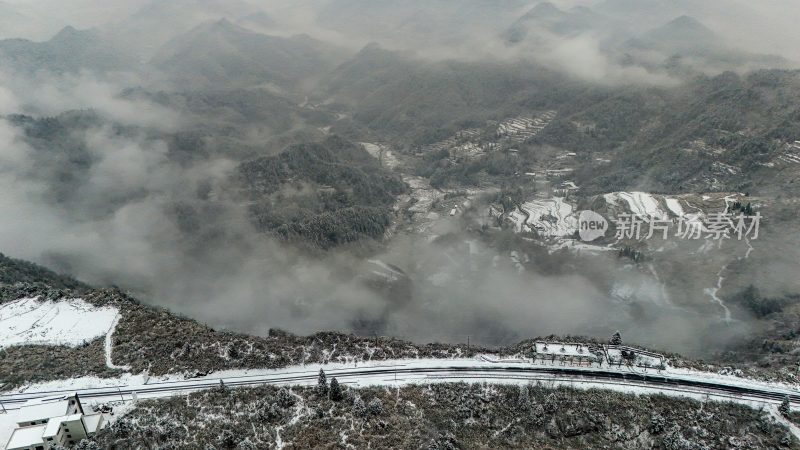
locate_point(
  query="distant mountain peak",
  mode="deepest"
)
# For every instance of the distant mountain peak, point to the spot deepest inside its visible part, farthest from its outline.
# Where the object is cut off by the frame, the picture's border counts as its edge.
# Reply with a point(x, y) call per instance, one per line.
point(582, 10)
point(683, 35)
point(544, 9)
point(546, 18)
point(70, 33)
point(225, 24)
point(223, 27)
point(372, 46)
point(685, 22)
point(258, 20)
point(684, 27)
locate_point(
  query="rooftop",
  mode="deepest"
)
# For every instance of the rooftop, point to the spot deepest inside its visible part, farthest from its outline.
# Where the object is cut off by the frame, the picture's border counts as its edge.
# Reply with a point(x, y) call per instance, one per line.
point(55, 423)
point(92, 422)
point(26, 437)
point(36, 411)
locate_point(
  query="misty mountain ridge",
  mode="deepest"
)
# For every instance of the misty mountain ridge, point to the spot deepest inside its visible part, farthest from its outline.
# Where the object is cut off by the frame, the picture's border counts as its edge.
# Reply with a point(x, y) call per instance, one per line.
point(681, 35)
point(155, 23)
point(682, 48)
point(258, 21)
point(405, 25)
point(70, 50)
point(690, 47)
point(223, 52)
point(546, 21)
point(544, 16)
point(418, 101)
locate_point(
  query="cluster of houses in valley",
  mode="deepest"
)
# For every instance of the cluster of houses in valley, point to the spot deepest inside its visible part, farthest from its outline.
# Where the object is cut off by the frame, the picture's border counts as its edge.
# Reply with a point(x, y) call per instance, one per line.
point(789, 156)
point(565, 189)
point(53, 422)
point(582, 354)
point(792, 154)
point(520, 129)
point(473, 142)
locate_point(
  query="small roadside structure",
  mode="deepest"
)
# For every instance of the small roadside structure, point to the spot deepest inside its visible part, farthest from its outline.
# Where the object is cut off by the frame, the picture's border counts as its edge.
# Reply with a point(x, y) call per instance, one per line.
point(567, 353)
point(54, 421)
point(587, 354)
point(623, 355)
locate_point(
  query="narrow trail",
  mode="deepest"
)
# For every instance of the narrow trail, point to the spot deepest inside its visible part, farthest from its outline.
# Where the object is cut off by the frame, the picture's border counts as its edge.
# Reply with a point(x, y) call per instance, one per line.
point(109, 345)
point(773, 410)
point(712, 292)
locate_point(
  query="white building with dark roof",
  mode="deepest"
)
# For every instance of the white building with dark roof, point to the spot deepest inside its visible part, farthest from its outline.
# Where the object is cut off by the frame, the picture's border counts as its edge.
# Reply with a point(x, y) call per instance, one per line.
point(47, 422)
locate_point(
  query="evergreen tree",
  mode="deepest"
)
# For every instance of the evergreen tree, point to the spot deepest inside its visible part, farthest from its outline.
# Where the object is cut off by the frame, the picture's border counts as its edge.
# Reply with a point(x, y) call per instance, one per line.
point(786, 406)
point(359, 408)
point(336, 390)
point(375, 406)
point(551, 403)
point(322, 383)
point(524, 399)
point(616, 338)
point(228, 439)
point(247, 444)
point(285, 398)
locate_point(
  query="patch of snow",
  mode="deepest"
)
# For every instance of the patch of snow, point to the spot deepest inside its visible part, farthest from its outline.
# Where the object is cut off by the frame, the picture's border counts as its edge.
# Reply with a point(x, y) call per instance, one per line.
point(71, 322)
point(579, 247)
point(551, 217)
point(674, 205)
point(81, 383)
point(382, 154)
point(639, 203)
